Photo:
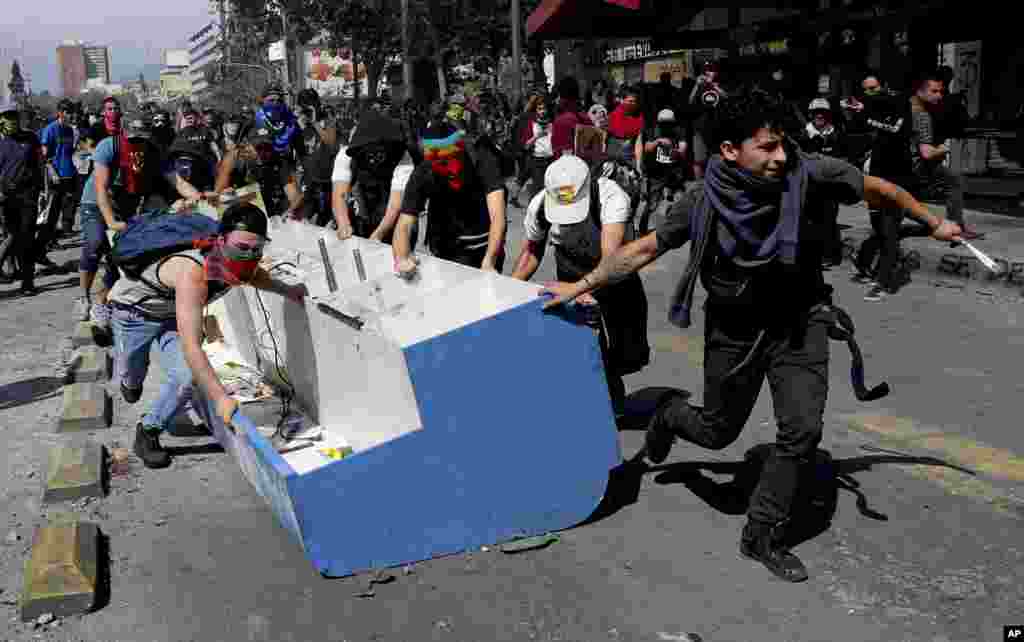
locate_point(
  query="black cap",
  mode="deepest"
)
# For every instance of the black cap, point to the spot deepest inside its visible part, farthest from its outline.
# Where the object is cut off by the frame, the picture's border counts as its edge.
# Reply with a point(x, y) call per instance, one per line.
point(244, 217)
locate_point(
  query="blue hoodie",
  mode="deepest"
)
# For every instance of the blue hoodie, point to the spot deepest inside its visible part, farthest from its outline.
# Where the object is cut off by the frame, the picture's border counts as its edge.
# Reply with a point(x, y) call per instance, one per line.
point(286, 129)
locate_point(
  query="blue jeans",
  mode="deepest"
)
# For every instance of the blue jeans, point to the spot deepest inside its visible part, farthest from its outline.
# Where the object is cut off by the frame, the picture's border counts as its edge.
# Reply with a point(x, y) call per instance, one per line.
point(94, 243)
point(134, 335)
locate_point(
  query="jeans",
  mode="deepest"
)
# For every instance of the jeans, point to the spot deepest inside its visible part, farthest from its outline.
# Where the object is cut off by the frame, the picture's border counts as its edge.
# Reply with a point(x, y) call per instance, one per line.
point(134, 335)
point(95, 245)
point(20, 213)
point(794, 358)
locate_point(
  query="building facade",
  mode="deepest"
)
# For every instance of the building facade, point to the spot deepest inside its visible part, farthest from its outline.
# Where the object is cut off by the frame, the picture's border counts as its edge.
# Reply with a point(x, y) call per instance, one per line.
point(204, 51)
point(71, 67)
point(97, 66)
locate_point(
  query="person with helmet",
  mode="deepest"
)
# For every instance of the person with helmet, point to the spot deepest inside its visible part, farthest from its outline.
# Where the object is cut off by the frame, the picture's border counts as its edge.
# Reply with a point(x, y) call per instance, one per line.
point(320, 146)
point(164, 308)
point(255, 160)
point(663, 150)
point(21, 181)
point(58, 140)
point(275, 117)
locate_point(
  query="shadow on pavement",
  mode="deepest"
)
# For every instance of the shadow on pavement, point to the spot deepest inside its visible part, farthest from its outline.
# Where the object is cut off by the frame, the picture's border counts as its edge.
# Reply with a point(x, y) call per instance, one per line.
point(21, 393)
point(197, 449)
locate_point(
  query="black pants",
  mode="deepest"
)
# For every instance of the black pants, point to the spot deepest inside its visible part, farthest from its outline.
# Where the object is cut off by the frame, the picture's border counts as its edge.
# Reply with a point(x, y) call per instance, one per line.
point(794, 358)
point(316, 203)
point(884, 243)
point(61, 193)
point(538, 166)
point(833, 238)
point(20, 214)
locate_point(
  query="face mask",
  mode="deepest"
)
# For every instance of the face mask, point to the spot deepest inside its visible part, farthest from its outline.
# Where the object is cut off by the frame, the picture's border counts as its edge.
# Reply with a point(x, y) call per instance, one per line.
point(447, 158)
point(231, 131)
point(112, 120)
point(231, 264)
point(159, 123)
point(275, 113)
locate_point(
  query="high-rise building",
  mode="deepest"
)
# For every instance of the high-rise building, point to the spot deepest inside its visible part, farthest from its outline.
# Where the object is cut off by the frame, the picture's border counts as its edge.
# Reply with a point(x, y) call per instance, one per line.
point(204, 50)
point(174, 77)
point(97, 66)
point(71, 67)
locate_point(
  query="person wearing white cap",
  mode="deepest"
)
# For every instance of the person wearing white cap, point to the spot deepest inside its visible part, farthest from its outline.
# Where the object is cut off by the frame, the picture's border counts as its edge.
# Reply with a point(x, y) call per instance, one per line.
point(664, 152)
point(822, 137)
point(587, 220)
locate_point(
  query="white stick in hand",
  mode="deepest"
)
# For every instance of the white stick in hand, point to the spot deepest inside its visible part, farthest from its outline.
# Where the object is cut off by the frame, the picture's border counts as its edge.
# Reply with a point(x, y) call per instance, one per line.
point(985, 259)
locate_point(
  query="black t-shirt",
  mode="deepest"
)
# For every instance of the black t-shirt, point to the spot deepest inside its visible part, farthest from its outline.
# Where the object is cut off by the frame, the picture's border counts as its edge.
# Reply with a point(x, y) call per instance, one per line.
point(317, 156)
point(459, 220)
point(660, 163)
point(778, 290)
point(20, 163)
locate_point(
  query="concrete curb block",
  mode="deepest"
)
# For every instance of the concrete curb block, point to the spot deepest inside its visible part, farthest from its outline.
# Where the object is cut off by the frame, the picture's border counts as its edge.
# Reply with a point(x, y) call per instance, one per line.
point(83, 335)
point(87, 406)
point(938, 260)
point(90, 364)
point(62, 573)
point(74, 470)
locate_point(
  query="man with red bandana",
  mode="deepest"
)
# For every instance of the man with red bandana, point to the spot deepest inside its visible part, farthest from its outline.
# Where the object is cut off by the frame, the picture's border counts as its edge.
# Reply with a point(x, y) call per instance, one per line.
point(165, 308)
point(466, 190)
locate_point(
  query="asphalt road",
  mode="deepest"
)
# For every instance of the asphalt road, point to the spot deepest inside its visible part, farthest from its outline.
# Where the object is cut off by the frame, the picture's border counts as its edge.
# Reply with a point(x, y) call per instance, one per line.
point(925, 544)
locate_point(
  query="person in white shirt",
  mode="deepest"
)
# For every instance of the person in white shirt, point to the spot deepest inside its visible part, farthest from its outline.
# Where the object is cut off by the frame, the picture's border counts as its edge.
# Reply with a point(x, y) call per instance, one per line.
point(587, 220)
point(373, 169)
point(538, 144)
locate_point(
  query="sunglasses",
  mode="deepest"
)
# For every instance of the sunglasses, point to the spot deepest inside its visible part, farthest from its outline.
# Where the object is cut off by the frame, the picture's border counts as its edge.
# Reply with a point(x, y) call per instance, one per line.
point(244, 251)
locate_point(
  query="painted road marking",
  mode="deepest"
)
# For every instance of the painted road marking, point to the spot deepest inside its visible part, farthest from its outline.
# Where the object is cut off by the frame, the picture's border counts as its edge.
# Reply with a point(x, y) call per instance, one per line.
point(956, 449)
point(676, 342)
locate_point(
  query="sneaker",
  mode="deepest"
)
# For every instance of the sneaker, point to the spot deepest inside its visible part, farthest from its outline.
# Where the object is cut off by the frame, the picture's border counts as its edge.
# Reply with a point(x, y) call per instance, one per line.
point(83, 308)
point(759, 544)
point(29, 290)
point(876, 293)
point(863, 279)
point(147, 447)
point(100, 316)
point(971, 233)
point(659, 438)
point(130, 395)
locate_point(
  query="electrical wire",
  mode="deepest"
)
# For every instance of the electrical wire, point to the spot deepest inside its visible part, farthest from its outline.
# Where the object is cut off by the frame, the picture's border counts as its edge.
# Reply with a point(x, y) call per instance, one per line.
point(286, 399)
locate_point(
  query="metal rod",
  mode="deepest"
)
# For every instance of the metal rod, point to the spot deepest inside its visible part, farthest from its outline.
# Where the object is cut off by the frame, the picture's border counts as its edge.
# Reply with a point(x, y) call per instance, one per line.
point(332, 282)
point(360, 268)
point(353, 322)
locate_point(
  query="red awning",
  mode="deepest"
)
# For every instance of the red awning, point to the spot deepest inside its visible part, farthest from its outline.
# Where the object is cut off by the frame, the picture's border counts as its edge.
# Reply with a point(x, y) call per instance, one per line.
point(593, 18)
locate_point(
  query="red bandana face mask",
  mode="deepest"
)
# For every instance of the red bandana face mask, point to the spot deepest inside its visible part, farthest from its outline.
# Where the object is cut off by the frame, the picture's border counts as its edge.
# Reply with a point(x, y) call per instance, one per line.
point(232, 264)
point(447, 158)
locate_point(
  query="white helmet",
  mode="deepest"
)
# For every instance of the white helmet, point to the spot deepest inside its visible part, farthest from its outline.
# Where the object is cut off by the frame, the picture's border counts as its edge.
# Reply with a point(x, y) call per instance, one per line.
point(819, 104)
point(666, 116)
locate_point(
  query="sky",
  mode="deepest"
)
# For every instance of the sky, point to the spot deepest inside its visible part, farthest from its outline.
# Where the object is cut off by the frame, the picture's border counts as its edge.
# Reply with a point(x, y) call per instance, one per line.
point(137, 31)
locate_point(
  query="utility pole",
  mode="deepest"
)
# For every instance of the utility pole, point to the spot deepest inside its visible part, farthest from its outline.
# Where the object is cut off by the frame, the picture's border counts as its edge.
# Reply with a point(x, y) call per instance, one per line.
point(517, 51)
point(406, 54)
point(287, 50)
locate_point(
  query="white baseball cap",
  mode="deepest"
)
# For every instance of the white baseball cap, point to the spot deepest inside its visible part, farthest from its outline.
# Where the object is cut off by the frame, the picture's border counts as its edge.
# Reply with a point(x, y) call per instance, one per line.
point(567, 190)
point(666, 116)
point(819, 104)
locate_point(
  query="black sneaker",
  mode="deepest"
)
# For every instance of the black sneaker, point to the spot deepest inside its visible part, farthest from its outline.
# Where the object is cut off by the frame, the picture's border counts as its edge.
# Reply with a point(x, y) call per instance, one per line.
point(876, 294)
point(759, 544)
point(659, 438)
point(131, 395)
point(29, 290)
point(147, 448)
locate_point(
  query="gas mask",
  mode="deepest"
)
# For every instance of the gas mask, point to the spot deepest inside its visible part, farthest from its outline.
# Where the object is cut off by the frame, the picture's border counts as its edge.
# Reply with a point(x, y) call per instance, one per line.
point(231, 263)
point(447, 158)
point(275, 112)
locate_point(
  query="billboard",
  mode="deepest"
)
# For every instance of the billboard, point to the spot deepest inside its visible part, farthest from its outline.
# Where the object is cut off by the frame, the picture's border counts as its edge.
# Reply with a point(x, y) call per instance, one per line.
point(176, 58)
point(331, 72)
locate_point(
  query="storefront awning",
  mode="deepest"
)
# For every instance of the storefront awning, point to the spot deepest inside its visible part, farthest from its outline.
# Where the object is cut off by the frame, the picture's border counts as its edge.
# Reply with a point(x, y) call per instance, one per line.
point(558, 19)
